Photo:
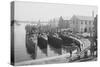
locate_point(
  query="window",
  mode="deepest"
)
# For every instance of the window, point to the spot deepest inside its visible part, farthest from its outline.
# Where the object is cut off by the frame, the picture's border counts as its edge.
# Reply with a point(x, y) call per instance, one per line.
point(81, 22)
point(85, 30)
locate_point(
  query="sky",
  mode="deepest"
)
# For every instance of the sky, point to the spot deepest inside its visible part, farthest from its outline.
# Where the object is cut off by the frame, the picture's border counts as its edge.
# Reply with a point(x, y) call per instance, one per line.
point(34, 11)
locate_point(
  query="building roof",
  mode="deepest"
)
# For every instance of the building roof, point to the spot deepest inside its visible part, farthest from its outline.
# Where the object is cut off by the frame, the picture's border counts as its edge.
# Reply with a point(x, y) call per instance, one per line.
point(83, 17)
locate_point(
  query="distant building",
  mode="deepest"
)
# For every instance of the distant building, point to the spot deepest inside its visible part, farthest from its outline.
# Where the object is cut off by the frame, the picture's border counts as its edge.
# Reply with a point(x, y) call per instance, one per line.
point(82, 24)
point(53, 23)
point(62, 24)
point(67, 23)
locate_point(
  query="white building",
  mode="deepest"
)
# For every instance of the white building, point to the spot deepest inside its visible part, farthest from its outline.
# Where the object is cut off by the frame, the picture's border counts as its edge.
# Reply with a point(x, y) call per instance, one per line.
point(82, 24)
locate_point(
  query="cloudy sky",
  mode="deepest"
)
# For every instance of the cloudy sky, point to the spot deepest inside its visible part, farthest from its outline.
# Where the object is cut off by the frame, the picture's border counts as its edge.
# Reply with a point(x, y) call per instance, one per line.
point(30, 11)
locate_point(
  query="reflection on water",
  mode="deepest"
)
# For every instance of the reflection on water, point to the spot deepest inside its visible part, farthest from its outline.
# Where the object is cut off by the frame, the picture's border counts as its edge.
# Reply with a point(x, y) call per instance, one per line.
point(30, 46)
point(26, 50)
point(26, 47)
point(19, 43)
point(33, 47)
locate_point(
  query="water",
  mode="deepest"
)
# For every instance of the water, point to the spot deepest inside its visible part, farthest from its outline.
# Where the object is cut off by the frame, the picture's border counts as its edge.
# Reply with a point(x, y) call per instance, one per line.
point(19, 43)
point(20, 46)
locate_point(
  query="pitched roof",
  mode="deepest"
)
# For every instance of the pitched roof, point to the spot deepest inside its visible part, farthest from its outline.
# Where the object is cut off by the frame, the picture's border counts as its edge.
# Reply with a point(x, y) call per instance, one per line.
point(84, 17)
